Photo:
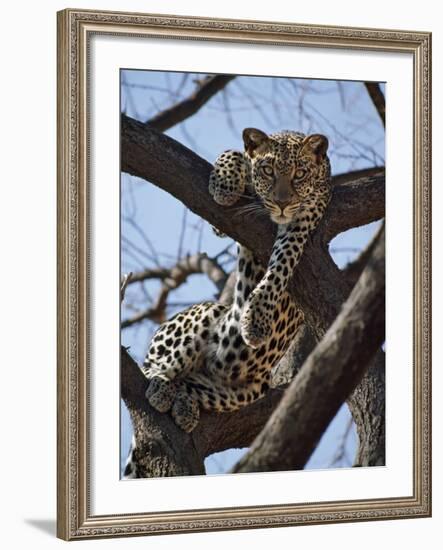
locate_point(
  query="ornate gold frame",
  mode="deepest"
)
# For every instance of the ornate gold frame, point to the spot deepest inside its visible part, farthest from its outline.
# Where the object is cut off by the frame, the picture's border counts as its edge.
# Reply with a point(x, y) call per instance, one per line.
point(74, 29)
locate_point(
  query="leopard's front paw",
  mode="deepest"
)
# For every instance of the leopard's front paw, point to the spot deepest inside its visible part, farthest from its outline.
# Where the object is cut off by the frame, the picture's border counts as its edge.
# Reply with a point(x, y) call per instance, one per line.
point(254, 327)
point(227, 180)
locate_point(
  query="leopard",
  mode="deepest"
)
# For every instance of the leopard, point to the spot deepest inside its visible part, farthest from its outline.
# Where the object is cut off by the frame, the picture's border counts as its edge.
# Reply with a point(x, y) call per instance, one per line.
point(219, 358)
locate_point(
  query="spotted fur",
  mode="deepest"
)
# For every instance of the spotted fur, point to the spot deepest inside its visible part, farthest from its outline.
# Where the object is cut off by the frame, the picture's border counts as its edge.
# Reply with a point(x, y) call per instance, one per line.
point(220, 358)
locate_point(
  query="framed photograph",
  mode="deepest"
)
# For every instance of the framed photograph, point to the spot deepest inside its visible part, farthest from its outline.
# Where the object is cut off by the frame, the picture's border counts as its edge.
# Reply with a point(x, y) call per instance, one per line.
point(243, 274)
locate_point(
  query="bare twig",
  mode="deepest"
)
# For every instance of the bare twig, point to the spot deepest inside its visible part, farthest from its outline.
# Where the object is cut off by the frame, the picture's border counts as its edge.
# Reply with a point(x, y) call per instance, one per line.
point(153, 252)
point(340, 454)
point(182, 233)
point(186, 108)
point(124, 284)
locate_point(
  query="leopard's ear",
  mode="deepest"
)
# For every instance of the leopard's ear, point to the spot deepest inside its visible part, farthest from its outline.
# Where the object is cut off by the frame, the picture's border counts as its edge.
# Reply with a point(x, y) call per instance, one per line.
point(253, 139)
point(315, 145)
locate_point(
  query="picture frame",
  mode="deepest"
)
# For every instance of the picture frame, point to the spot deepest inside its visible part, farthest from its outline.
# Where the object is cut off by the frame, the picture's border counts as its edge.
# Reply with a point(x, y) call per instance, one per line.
point(77, 313)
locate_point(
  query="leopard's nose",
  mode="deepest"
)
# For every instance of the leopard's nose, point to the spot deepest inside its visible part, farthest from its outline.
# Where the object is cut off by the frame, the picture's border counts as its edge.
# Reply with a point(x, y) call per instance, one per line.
point(282, 203)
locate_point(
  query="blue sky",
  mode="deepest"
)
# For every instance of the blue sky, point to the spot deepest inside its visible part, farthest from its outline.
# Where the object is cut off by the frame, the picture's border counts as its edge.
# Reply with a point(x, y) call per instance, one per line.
point(153, 221)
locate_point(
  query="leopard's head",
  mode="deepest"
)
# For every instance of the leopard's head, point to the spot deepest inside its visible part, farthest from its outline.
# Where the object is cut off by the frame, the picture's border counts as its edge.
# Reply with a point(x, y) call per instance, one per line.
point(286, 168)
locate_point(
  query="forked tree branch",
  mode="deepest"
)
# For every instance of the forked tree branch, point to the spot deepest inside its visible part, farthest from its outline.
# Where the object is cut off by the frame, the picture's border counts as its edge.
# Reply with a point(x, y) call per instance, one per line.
point(186, 266)
point(172, 278)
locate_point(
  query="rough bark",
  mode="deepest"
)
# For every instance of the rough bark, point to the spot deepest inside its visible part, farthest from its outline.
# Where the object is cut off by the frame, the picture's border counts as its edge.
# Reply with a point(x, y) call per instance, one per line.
point(318, 286)
point(326, 378)
point(367, 406)
point(302, 345)
point(163, 449)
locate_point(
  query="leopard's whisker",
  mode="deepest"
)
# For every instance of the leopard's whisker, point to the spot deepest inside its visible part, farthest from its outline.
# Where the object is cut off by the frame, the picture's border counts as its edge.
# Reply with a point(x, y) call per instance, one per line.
point(244, 196)
point(248, 209)
point(247, 206)
point(257, 211)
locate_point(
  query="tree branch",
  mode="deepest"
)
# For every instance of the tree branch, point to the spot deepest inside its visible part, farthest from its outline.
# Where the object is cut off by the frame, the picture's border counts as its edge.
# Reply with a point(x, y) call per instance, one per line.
point(172, 279)
point(353, 270)
point(124, 284)
point(162, 449)
point(378, 99)
point(189, 106)
point(326, 379)
point(149, 273)
point(159, 159)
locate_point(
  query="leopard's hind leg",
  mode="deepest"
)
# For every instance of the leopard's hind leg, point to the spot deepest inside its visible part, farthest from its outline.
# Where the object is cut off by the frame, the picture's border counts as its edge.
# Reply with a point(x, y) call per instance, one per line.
point(176, 350)
point(186, 409)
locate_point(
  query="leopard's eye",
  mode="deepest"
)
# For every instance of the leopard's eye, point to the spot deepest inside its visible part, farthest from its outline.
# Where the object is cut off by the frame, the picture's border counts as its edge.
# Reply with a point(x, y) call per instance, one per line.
point(267, 170)
point(300, 173)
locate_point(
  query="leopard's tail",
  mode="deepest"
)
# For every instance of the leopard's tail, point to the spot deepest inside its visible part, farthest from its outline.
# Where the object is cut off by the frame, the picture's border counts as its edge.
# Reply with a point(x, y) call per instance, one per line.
point(130, 470)
point(222, 398)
